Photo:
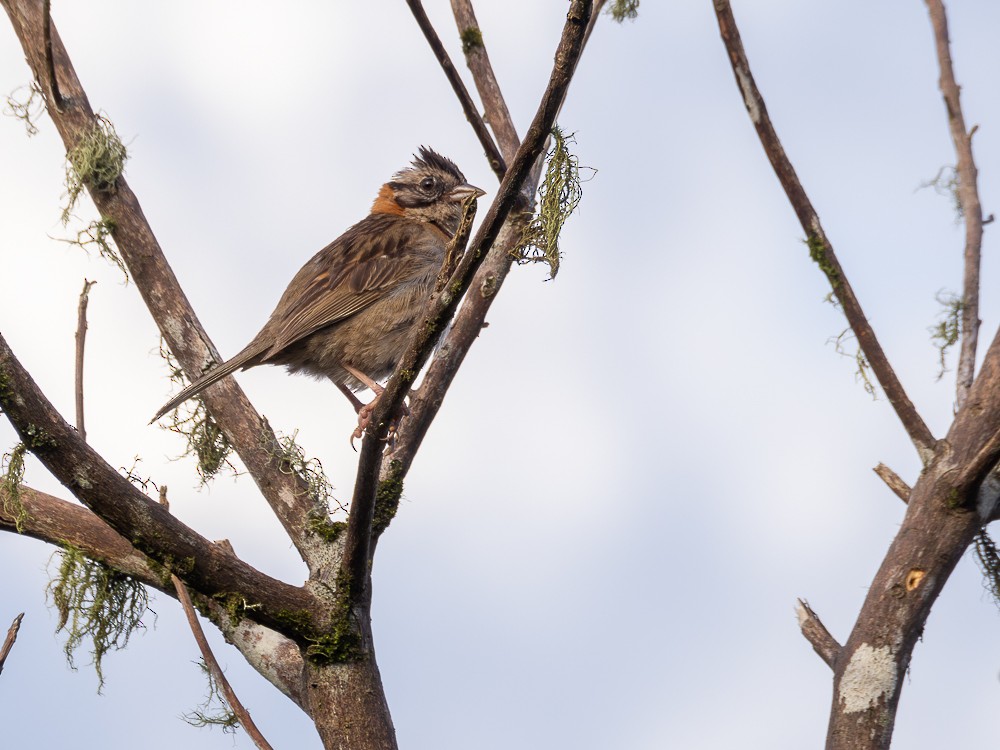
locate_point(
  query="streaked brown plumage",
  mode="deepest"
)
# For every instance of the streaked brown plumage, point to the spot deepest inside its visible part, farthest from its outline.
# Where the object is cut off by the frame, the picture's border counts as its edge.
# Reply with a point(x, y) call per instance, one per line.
point(349, 312)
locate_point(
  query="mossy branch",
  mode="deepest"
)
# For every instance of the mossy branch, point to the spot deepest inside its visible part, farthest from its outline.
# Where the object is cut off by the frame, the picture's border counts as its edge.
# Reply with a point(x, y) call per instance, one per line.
point(98, 603)
point(558, 196)
point(214, 711)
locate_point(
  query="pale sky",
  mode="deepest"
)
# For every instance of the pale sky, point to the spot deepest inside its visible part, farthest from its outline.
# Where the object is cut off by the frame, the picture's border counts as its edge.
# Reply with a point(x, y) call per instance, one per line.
point(641, 465)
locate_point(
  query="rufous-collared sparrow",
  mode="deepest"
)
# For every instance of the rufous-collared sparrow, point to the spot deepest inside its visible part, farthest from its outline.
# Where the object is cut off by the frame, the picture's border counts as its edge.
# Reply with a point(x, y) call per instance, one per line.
point(349, 312)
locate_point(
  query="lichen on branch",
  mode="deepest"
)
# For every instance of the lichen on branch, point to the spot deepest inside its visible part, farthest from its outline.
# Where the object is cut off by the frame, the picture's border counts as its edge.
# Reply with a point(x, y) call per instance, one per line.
point(558, 196)
point(98, 603)
point(96, 162)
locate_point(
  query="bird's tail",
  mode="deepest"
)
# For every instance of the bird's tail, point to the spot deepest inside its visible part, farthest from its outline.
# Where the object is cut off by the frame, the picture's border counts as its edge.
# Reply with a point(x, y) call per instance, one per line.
point(213, 376)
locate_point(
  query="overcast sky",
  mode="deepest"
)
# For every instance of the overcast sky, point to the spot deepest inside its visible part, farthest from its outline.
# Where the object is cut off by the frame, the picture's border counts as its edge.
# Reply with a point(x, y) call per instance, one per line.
point(641, 465)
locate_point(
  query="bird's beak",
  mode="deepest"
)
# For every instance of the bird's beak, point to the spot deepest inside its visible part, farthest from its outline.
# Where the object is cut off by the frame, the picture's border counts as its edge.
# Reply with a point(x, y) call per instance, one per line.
point(464, 192)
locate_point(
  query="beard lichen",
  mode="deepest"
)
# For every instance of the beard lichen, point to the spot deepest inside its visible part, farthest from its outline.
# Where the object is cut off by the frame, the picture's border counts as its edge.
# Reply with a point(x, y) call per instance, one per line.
point(214, 711)
point(95, 603)
point(204, 438)
point(558, 196)
point(11, 477)
point(96, 162)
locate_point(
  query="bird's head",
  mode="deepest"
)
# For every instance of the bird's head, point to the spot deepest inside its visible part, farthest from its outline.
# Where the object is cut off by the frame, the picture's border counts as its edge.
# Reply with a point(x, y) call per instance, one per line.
point(433, 190)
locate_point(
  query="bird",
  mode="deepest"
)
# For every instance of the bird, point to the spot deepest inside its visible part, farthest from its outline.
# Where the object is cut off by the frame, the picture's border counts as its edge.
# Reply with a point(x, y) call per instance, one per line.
point(349, 312)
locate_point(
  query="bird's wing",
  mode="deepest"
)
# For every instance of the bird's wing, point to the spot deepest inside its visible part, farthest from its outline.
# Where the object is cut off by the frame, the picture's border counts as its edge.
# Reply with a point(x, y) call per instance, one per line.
point(358, 269)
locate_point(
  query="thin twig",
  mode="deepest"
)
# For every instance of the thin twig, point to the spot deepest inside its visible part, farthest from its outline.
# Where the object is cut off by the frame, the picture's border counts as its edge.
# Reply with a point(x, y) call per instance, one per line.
point(81, 337)
point(968, 197)
point(8, 642)
point(358, 537)
point(894, 482)
point(496, 160)
point(820, 247)
point(50, 67)
point(816, 633)
point(206, 653)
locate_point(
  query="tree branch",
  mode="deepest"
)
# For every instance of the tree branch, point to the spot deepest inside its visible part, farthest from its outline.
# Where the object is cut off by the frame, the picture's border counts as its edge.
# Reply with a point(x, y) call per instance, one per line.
point(497, 163)
point(968, 197)
point(476, 57)
point(820, 248)
point(816, 633)
point(150, 528)
point(252, 438)
point(211, 663)
point(60, 523)
point(894, 482)
point(8, 642)
point(359, 537)
point(81, 339)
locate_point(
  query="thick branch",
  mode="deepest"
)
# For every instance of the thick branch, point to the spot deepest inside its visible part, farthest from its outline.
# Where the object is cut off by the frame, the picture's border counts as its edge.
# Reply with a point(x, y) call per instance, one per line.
point(149, 527)
point(58, 522)
point(497, 163)
point(249, 435)
point(820, 247)
point(816, 633)
point(968, 197)
point(357, 554)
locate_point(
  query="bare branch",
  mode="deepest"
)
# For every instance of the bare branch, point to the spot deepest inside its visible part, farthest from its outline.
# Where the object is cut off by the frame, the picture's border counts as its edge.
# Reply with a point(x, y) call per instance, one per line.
point(81, 338)
point(497, 163)
point(249, 435)
point(358, 541)
point(211, 662)
point(8, 642)
point(816, 633)
point(820, 247)
point(476, 57)
point(894, 482)
point(968, 197)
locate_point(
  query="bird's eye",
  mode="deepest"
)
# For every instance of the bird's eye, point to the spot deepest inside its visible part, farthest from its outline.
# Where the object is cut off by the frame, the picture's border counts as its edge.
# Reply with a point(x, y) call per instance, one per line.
point(427, 183)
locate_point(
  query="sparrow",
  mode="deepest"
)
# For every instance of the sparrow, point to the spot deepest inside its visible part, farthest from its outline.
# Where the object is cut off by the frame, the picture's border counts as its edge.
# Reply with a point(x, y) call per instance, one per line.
point(349, 312)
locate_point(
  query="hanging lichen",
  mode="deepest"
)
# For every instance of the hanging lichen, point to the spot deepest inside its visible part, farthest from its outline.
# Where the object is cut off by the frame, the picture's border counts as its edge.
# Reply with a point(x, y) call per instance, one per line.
point(98, 235)
point(11, 477)
point(26, 107)
point(863, 372)
point(622, 9)
point(558, 196)
point(96, 162)
point(214, 711)
point(946, 331)
point(204, 439)
point(291, 459)
point(95, 603)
